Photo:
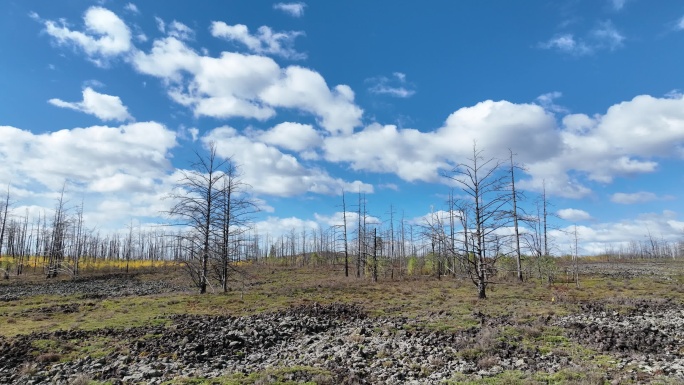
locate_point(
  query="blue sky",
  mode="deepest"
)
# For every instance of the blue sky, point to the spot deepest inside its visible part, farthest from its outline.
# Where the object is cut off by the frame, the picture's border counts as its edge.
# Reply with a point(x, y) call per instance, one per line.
point(378, 96)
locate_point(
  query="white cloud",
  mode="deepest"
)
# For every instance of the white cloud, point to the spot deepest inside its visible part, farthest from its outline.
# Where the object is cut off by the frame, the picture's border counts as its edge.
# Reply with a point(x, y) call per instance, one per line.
point(271, 172)
point(249, 86)
point(161, 25)
point(573, 215)
point(119, 172)
point(433, 218)
point(180, 31)
point(352, 217)
point(291, 136)
point(105, 35)
point(386, 149)
point(622, 142)
point(632, 198)
point(414, 155)
point(393, 86)
point(306, 90)
point(567, 43)
point(600, 237)
point(194, 132)
point(174, 29)
point(680, 24)
point(389, 186)
point(276, 227)
point(607, 36)
point(603, 37)
point(626, 140)
point(90, 157)
point(132, 8)
point(265, 41)
point(105, 107)
point(548, 102)
point(292, 9)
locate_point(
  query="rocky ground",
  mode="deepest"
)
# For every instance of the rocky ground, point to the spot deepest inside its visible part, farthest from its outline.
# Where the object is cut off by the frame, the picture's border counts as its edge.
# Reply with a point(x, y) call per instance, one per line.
point(641, 338)
point(647, 338)
point(112, 285)
point(340, 338)
point(620, 270)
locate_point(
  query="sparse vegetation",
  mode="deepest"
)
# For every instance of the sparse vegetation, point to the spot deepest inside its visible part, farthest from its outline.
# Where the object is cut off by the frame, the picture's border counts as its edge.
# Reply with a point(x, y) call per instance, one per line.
point(517, 320)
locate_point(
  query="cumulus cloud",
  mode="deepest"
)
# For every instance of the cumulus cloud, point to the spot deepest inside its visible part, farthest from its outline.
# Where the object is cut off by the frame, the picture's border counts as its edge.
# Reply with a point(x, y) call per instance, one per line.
point(422, 156)
point(626, 140)
point(632, 198)
point(105, 107)
point(292, 9)
point(600, 237)
point(291, 136)
point(231, 85)
point(105, 35)
point(265, 41)
point(248, 86)
point(573, 215)
point(387, 149)
point(271, 172)
point(118, 172)
point(395, 85)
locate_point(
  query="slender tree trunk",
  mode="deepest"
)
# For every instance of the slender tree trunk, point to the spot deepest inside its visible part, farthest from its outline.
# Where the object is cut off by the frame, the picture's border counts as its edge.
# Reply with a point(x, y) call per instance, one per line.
point(375, 255)
point(515, 221)
point(344, 224)
point(4, 212)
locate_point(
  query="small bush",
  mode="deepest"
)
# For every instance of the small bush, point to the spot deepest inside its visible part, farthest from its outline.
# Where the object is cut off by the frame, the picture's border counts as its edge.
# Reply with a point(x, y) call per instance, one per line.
point(487, 362)
point(48, 357)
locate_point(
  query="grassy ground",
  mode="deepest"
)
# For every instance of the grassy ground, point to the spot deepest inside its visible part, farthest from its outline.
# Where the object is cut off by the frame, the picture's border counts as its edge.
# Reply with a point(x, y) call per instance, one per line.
point(445, 305)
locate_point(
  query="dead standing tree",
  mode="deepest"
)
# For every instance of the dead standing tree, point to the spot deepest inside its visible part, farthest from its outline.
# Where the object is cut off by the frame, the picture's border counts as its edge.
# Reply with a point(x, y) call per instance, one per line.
point(235, 209)
point(482, 214)
point(56, 247)
point(197, 207)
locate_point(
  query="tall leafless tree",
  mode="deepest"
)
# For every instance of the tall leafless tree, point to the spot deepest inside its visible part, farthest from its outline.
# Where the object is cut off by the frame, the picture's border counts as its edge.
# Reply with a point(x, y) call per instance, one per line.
point(514, 199)
point(4, 213)
point(482, 180)
point(196, 206)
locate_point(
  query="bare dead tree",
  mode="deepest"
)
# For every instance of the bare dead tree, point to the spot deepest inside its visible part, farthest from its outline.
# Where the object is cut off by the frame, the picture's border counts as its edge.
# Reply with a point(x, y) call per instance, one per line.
point(360, 234)
point(575, 259)
point(56, 246)
point(482, 181)
point(514, 199)
point(236, 208)
point(196, 207)
point(4, 213)
point(346, 245)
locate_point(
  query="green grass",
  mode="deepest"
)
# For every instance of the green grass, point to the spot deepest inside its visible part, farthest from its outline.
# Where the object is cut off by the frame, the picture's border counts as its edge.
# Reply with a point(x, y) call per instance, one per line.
point(445, 305)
